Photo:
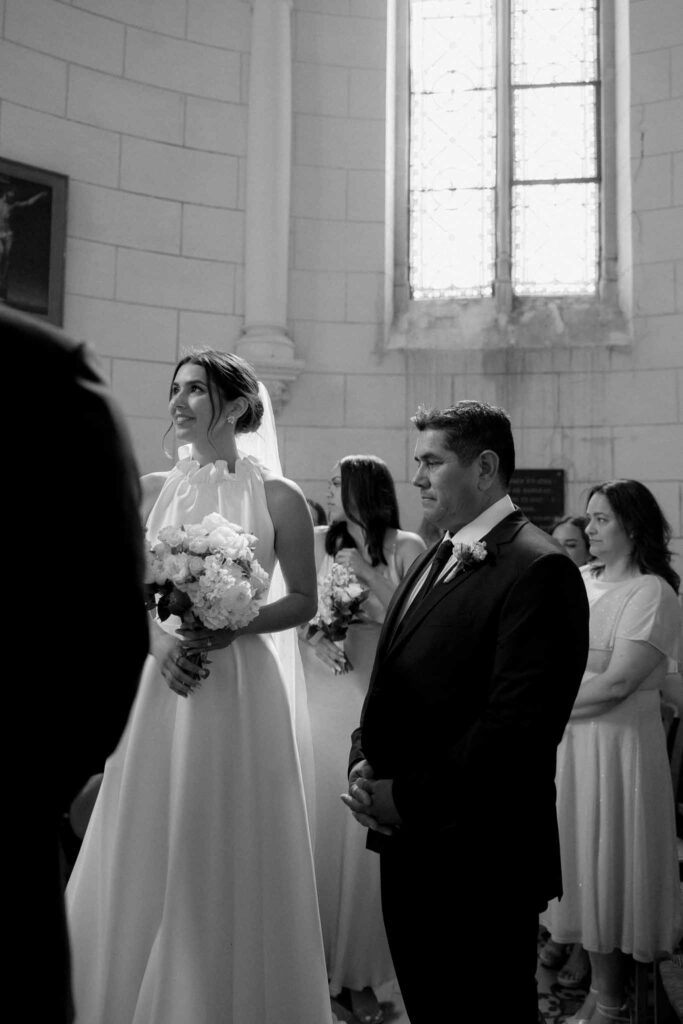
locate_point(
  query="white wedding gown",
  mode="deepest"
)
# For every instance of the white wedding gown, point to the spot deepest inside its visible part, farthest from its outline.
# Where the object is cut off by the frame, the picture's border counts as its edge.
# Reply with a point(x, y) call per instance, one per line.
point(193, 898)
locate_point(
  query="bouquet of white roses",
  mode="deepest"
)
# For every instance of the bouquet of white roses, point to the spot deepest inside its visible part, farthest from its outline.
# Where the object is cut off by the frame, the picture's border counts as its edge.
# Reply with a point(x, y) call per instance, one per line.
point(340, 597)
point(207, 574)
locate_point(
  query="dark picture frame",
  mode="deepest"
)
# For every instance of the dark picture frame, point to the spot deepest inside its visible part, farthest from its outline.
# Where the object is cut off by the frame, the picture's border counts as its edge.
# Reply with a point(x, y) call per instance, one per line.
point(32, 239)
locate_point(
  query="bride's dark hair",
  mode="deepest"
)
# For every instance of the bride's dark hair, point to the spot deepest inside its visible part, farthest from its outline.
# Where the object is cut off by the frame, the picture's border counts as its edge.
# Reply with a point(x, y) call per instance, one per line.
point(231, 377)
point(368, 497)
point(640, 516)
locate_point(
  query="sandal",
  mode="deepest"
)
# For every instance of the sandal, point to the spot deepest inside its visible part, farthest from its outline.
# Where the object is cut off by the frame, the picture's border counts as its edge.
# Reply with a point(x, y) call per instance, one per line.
point(553, 955)
point(577, 970)
point(620, 1014)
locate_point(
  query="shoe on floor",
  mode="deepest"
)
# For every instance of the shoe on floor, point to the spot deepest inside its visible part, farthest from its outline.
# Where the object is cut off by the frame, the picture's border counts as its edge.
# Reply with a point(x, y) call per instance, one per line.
point(577, 970)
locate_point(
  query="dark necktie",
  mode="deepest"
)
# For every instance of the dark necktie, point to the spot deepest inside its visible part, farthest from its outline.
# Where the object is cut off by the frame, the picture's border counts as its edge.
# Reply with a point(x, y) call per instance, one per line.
point(443, 553)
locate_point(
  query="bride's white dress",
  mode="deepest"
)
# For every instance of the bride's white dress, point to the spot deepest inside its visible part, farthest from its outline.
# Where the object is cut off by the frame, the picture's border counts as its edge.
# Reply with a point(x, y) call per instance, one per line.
point(193, 898)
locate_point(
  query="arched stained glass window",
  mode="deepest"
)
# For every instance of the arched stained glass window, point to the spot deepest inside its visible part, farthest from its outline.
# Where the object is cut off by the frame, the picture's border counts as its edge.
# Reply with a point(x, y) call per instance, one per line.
point(504, 162)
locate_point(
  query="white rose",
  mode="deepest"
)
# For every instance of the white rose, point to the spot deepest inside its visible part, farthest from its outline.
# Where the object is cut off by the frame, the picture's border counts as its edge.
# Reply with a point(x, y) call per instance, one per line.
point(195, 564)
point(194, 529)
point(220, 538)
point(175, 567)
point(199, 544)
point(238, 546)
point(171, 535)
point(213, 522)
point(214, 565)
point(155, 571)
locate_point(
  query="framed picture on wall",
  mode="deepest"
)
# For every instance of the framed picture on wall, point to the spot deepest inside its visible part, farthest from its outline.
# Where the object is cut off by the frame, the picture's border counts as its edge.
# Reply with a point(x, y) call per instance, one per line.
point(32, 239)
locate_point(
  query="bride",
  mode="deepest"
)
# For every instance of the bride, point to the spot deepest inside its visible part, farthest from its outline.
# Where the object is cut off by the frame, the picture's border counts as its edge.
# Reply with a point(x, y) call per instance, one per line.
point(193, 898)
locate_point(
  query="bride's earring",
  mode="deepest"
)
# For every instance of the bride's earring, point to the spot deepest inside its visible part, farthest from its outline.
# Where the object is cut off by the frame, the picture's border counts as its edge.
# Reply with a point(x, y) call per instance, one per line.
point(230, 419)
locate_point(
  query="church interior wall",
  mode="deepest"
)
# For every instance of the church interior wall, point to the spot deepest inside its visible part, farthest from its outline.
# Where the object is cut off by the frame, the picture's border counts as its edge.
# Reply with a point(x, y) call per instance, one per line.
point(144, 106)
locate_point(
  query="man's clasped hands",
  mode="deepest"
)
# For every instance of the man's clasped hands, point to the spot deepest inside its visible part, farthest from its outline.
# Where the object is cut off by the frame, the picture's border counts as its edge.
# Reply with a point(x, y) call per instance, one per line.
point(370, 800)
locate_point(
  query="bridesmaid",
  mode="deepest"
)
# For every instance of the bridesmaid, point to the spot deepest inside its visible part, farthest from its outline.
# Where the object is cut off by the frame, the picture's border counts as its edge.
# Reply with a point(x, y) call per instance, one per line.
point(615, 803)
point(364, 534)
point(570, 532)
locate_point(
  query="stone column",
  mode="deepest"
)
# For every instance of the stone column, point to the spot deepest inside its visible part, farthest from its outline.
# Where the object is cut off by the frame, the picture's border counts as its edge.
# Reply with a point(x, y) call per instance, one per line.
point(264, 341)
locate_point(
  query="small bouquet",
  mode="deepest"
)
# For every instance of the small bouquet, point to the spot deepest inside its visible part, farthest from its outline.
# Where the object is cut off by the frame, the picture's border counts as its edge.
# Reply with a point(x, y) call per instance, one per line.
point(340, 597)
point(207, 574)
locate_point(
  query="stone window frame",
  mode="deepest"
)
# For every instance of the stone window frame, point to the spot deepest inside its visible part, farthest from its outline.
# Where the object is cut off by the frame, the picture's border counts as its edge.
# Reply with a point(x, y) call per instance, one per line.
point(503, 320)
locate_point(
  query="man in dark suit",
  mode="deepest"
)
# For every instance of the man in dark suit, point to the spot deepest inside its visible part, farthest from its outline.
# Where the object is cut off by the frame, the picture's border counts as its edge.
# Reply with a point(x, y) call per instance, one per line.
point(78, 604)
point(453, 767)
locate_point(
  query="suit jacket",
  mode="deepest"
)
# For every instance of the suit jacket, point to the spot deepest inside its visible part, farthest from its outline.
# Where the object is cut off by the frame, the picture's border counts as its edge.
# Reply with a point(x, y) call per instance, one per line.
point(469, 698)
point(76, 635)
point(81, 582)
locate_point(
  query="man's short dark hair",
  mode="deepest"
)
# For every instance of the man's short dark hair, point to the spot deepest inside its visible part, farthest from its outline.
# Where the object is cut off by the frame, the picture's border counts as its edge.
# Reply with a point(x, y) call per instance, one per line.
point(471, 428)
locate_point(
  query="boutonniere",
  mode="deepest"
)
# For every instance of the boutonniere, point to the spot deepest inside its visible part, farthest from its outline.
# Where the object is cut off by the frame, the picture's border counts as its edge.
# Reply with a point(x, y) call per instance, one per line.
point(468, 556)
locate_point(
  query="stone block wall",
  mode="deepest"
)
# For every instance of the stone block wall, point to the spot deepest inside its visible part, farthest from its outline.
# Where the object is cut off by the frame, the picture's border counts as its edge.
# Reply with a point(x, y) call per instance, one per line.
point(596, 412)
point(144, 106)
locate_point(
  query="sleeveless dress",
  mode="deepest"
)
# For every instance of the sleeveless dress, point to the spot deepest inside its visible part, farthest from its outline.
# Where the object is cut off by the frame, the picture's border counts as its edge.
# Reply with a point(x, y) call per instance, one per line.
point(615, 801)
point(347, 874)
point(193, 898)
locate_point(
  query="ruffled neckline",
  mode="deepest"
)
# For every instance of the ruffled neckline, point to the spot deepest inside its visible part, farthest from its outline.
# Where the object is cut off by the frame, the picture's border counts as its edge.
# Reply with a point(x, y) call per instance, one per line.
point(216, 471)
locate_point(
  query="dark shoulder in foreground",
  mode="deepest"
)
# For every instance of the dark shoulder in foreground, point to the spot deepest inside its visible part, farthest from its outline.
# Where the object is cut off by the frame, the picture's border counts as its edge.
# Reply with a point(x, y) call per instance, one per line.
point(529, 543)
point(540, 541)
point(54, 354)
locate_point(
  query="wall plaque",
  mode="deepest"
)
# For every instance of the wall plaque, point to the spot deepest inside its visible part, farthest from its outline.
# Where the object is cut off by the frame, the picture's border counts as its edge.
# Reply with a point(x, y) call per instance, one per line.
point(539, 493)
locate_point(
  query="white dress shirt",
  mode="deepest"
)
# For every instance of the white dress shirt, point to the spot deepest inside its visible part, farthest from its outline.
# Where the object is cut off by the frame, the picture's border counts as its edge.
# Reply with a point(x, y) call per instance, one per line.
point(469, 534)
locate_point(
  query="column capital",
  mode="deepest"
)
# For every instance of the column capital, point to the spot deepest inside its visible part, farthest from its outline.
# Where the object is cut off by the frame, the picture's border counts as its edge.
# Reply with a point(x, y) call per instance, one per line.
point(271, 352)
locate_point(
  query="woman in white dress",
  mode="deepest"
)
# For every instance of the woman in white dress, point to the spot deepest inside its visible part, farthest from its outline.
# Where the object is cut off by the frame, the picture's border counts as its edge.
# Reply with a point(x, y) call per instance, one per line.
point(364, 534)
point(615, 804)
point(193, 898)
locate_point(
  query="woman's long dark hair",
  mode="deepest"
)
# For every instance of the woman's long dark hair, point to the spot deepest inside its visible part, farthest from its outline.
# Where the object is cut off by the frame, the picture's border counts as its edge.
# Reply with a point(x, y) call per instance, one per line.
point(640, 516)
point(580, 522)
point(368, 497)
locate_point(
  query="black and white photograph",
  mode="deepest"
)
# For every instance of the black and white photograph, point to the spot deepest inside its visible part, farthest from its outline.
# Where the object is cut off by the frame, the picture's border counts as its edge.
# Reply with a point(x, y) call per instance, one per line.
point(344, 649)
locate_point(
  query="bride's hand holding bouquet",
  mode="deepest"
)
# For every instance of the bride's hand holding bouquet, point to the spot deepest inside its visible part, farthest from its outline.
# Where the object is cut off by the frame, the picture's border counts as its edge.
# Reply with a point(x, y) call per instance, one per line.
point(207, 575)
